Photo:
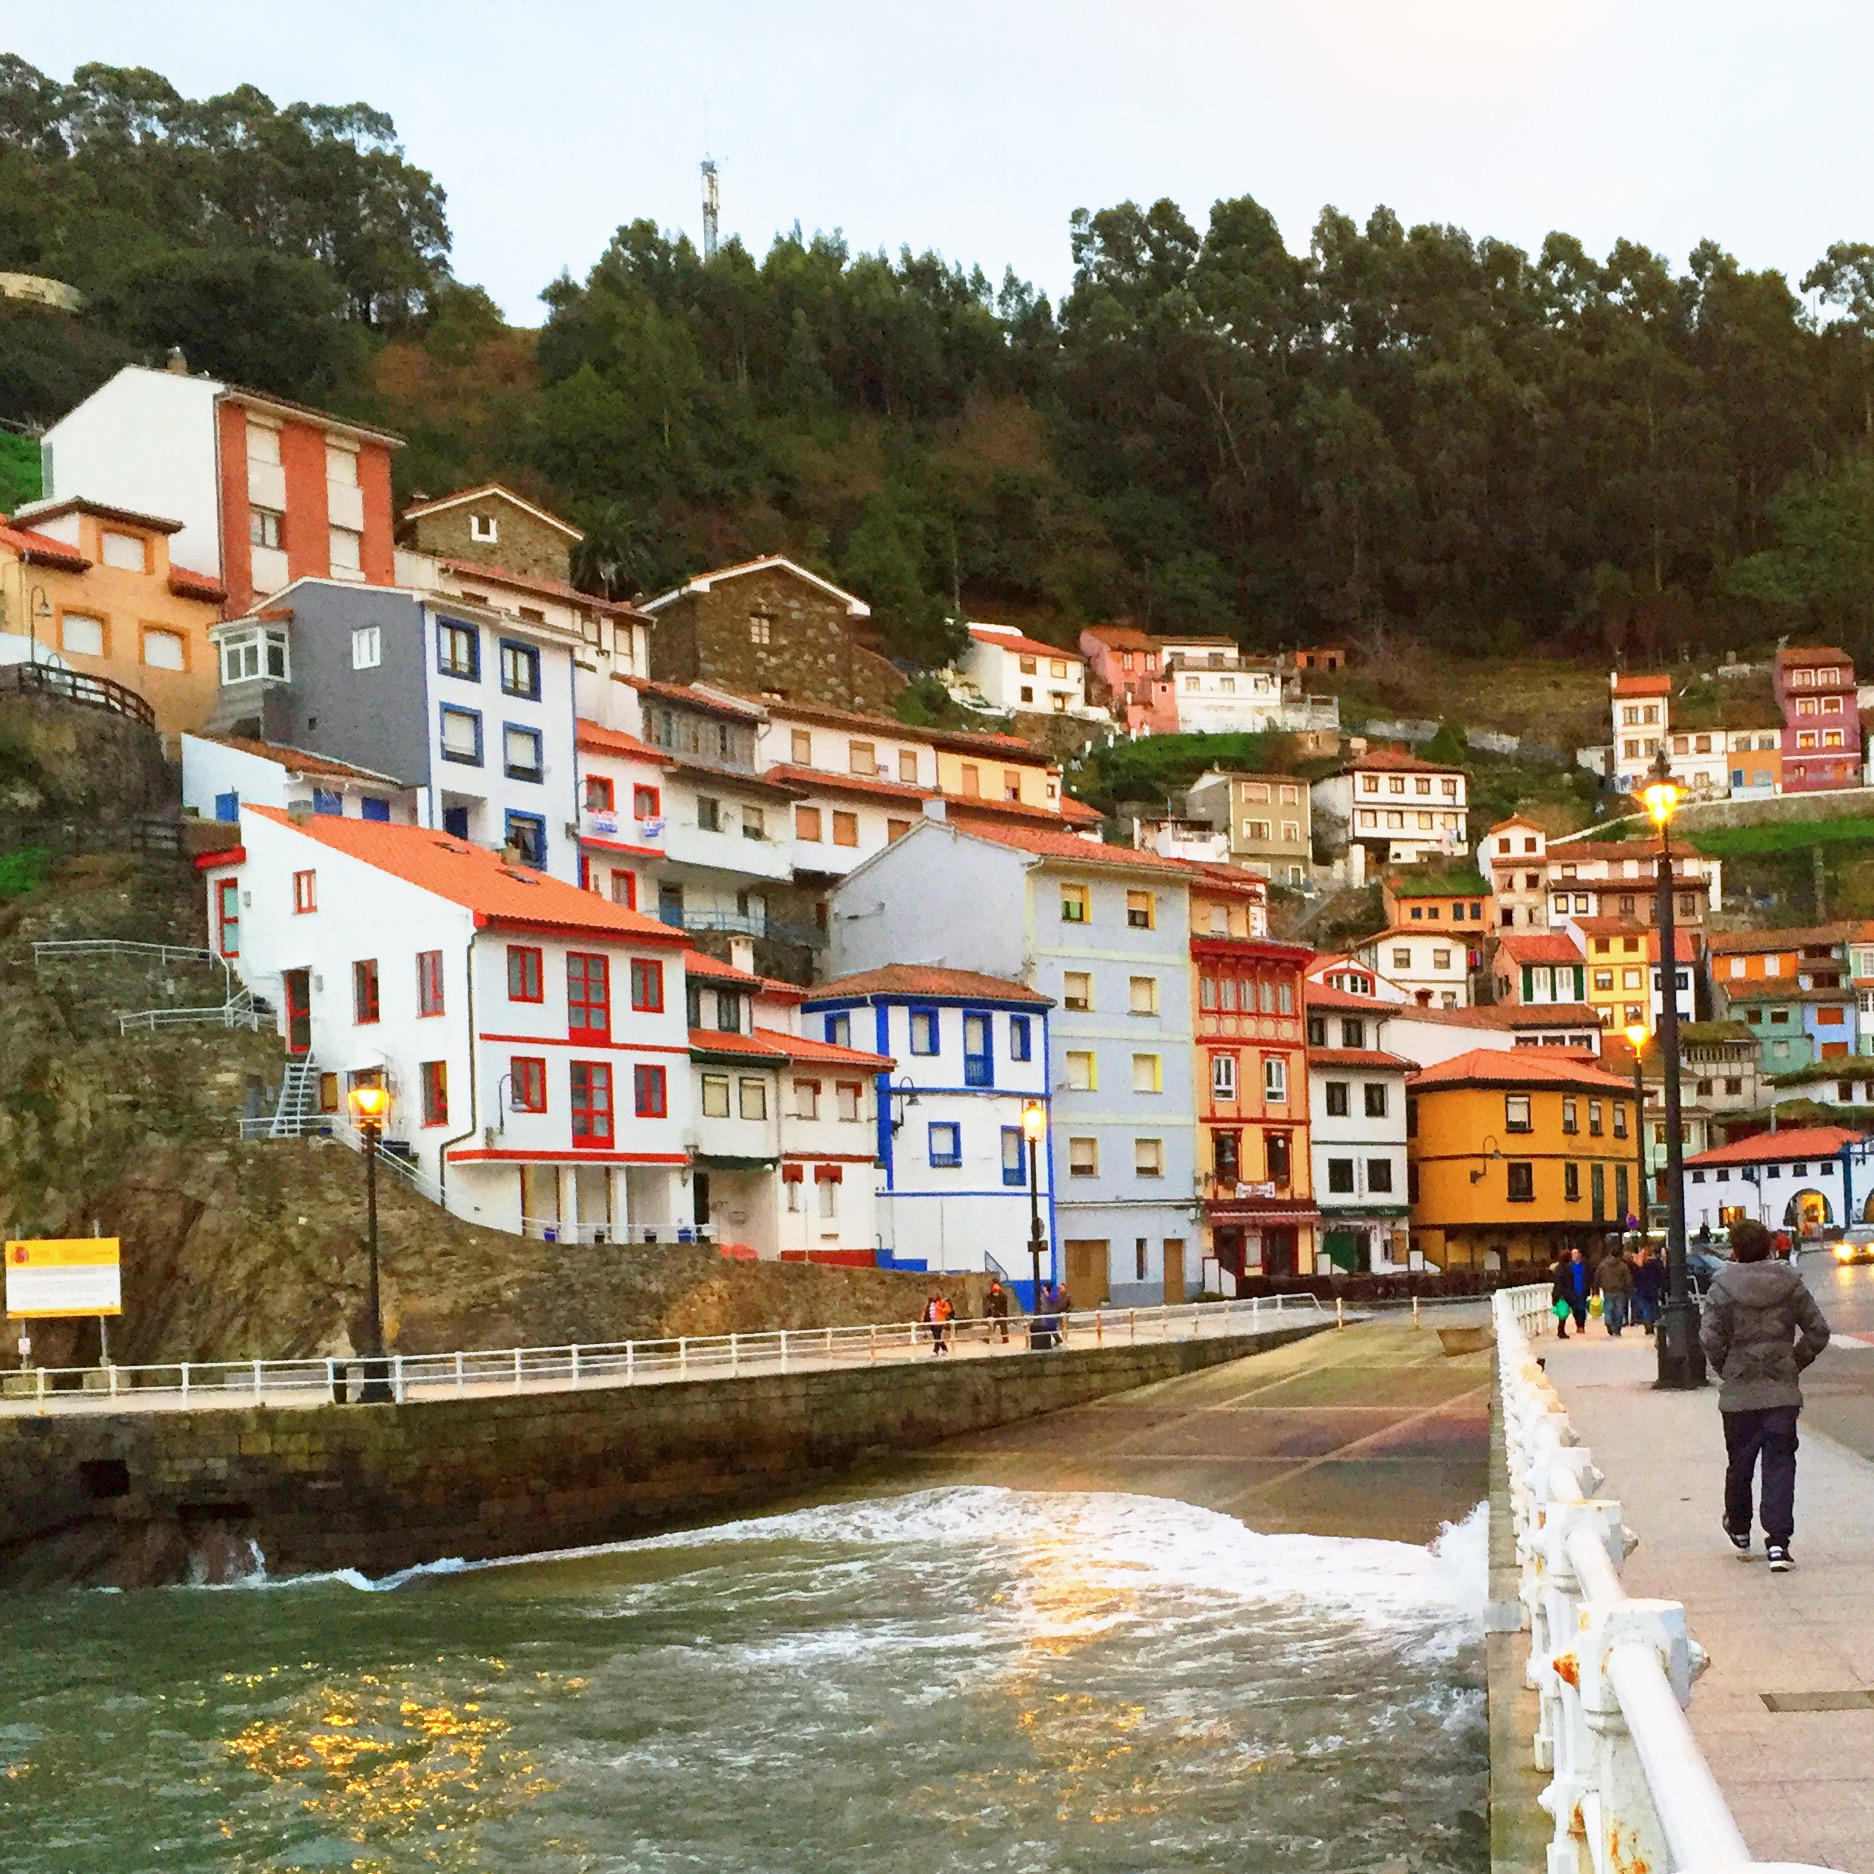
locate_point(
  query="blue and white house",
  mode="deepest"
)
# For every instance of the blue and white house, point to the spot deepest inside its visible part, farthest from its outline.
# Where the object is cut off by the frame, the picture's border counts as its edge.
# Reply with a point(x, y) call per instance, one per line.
point(1104, 932)
point(972, 1053)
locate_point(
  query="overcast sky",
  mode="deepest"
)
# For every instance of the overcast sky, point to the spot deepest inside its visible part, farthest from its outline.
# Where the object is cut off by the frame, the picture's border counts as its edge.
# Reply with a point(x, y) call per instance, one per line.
point(979, 126)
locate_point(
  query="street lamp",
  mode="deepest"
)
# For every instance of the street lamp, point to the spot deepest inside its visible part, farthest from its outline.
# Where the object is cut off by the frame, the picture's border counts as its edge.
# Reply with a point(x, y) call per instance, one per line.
point(1034, 1126)
point(370, 1107)
point(1681, 1359)
point(1637, 1033)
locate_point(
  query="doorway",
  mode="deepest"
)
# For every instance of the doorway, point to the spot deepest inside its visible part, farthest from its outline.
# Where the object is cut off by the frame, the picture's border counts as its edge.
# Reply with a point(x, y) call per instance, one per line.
point(1174, 1271)
point(298, 985)
point(592, 1193)
point(540, 1199)
point(228, 917)
point(1278, 1252)
point(1087, 1271)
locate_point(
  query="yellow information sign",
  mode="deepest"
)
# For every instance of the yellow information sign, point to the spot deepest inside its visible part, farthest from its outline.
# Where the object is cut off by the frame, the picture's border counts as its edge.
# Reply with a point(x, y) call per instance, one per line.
point(55, 1276)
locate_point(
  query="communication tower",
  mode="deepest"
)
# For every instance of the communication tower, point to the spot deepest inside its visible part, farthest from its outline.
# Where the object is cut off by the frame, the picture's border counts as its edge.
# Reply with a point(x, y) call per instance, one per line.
point(712, 205)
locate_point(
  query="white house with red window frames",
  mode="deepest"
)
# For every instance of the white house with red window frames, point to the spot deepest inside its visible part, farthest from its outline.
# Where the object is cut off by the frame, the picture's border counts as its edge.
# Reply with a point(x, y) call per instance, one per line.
point(533, 1037)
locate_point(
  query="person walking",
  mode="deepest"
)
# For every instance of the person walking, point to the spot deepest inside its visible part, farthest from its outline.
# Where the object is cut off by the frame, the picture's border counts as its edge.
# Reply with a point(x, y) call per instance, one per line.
point(996, 1310)
point(1761, 1327)
point(1568, 1293)
point(1649, 1286)
point(936, 1317)
point(1613, 1280)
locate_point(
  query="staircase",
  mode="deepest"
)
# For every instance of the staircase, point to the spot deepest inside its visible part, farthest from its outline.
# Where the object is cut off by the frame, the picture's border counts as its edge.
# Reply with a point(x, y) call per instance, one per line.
point(298, 1086)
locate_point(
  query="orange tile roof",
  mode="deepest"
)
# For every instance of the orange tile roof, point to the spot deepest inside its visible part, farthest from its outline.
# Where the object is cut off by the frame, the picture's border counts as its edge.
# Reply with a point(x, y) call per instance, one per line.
point(1015, 641)
point(1121, 637)
point(547, 588)
point(434, 504)
point(918, 979)
point(771, 1044)
point(1799, 1142)
point(602, 741)
point(716, 702)
point(1050, 845)
point(1538, 946)
point(1356, 1057)
point(190, 585)
point(471, 876)
point(958, 741)
point(1516, 1067)
point(825, 781)
point(1625, 685)
point(1074, 812)
point(1394, 760)
point(701, 963)
point(1765, 942)
point(1325, 996)
point(42, 550)
point(1804, 656)
point(299, 760)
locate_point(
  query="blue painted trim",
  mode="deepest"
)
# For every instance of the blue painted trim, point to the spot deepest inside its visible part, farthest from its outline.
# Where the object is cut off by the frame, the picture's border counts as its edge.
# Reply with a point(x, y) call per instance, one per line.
point(442, 747)
point(1054, 1227)
point(539, 773)
point(881, 1000)
point(529, 651)
point(913, 1011)
point(1007, 1191)
point(882, 1101)
point(472, 675)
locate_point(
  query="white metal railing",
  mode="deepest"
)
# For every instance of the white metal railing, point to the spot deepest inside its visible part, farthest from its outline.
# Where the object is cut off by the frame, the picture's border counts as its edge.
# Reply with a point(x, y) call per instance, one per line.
point(419, 1377)
point(1629, 1786)
point(237, 1008)
point(239, 1011)
point(336, 1126)
point(560, 1230)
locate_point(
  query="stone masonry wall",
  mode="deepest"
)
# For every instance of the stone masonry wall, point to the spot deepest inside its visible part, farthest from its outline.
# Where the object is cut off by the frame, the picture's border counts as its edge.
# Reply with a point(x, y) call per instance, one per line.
point(525, 545)
point(139, 1497)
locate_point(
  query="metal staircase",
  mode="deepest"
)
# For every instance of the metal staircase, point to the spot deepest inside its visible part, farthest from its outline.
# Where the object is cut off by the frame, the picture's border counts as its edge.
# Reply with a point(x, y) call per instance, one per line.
point(299, 1085)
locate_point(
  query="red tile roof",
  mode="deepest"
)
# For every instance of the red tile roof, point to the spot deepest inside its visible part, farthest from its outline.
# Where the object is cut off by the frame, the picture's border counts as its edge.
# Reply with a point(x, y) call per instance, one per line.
point(471, 876)
point(1609, 927)
point(825, 1053)
point(825, 781)
point(1014, 641)
point(1805, 656)
point(701, 963)
point(42, 550)
point(1049, 845)
point(1642, 686)
point(1121, 637)
point(1800, 1142)
point(958, 741)
point(1394, 760)
point(299, 760)
point(1074, 812)
point(188, 585)
point(1538, 946)
point(435, 504)
point(1356, 1057)
point(1325, 996)
point(602, 741)
point(1516, 1067)
point(714, 702)
point(547, 588)
point(1764, 942)
point(99, 510)
point(1547, 1015)
point(918, 979)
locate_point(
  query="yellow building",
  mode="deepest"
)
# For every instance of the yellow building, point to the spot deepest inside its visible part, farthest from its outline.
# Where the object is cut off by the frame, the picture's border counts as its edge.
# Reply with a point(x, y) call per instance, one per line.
point(95, 585)
point(1516, 1155)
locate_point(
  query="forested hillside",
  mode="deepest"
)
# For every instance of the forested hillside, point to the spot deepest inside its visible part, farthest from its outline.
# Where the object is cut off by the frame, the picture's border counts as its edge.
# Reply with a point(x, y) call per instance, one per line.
point(1404, 433)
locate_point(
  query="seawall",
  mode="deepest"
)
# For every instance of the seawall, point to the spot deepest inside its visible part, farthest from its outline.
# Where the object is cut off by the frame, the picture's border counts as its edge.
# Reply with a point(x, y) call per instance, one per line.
point(137, 1498)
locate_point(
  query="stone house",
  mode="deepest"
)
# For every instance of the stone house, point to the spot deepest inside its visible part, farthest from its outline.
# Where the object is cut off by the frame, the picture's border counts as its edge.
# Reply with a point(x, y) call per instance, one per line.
point(491, 526)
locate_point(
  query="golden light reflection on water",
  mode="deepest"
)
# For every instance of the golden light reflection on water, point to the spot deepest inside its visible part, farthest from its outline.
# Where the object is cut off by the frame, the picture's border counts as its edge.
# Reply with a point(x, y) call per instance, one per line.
point(388, 1762)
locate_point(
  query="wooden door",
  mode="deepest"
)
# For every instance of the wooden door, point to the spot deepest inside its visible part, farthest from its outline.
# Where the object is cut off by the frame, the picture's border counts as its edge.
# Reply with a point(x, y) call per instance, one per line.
point(1174, 1271)
point(298, 985)
point(1088, 1261)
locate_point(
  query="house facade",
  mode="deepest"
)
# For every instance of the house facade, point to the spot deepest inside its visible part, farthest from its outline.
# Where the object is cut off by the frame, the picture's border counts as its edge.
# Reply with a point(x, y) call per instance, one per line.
point(492, 526)
point(1619, 879)
point(1514, 855)
point(1536, 968)
point(221, 773)
point(1432, 966)
point(1793, 989)
point(1122, 665)
point(1399, 808)
point(1357, 1123)
point(1815, 689)
point(1012, 672)
point(1802, 1179)
point(1266, 818)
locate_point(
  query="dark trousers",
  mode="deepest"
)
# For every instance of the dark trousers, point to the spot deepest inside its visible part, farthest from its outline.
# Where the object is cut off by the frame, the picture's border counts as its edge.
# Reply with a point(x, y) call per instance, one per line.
point(1771, 1435)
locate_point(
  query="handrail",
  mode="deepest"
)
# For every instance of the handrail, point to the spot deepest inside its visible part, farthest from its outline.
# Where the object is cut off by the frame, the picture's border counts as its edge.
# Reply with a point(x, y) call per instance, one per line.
point(1629, 1785)
point(419, 1378)
point(77, 686)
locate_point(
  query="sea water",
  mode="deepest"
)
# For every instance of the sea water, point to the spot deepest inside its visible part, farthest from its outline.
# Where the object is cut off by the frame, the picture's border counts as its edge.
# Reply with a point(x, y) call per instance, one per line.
point(959, 1679)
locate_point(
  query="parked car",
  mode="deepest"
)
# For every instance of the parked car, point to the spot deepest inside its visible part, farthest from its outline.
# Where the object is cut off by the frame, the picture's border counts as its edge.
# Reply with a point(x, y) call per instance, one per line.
point(1855, 1244)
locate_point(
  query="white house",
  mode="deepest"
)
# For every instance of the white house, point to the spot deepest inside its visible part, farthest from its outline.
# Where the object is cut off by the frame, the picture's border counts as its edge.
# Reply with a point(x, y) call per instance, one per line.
point(1010, 671)
point(1432, 967)
point(1400, 809)
point(1789, 1180)
point(1513, 855)
point(1357, 1115)
point(533, 1036)
point(1218, 690)
point(970, 1053)
point(220, 773)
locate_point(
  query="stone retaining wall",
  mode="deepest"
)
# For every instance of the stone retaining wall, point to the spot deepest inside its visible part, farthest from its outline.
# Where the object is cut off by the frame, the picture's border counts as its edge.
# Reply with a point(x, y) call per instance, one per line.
point(133, 1498)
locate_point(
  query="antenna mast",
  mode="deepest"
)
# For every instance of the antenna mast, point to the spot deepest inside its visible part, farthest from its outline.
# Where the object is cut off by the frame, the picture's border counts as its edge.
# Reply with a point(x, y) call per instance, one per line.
point(711, 208)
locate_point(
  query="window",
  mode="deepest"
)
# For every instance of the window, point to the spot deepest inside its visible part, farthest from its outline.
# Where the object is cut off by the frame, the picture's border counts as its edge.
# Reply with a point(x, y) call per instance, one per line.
point(1141, 910)
point(429, 982)
point(588, 996)
point(1441, 959)
point(1596, 1119)
point(1274, 1080)
point(527, 1084)
point(435, 1078)
point(1337, 1098)
point(647, 984)
point(850, 1098)
point(1020, 1038)
point(1074, 904)
point(520, 670)
point(524, 974)
point(1376, 1099)
point(521, 753)
point(164, 650)
point(1352, 1033)
point(1223, 1076)
point(1522, 1181)
point(364, 1000)
point(1402, 959)
point(1013, 1153)
point(715, 1096)
point(807, 823)
point(1571, 1114)
point(344, 552)
point(946, 1142)
point(1083, 1070)
point(802, 743)
point(862, 758)
point(1340, 1177)
point(806, 1099)
point(590, 1100)
point(1077, 991)
point(754, 823)
point(485, 528)
point(1571, 1182)
point(1144, 995)
point(845, 829)
point(761, 630)
point(753, 1095)
point(838, 1029)
point(708, 813)
point(978, 1060)
point(971, 778)
point(461, 735)
point(327, 800)
point(646, 803)
point(1147, 1074)
point(1379, 1175)
point(600, 796)
point(1148, 1158)
point(1516, 1113)
point(1620, 1120)
point(266, 527)
point(1083, 1158)
point(83, 633)
point(650, 1092)
point(923, 1031)
point(127, 552)
point(527, 834)
point(458, 650)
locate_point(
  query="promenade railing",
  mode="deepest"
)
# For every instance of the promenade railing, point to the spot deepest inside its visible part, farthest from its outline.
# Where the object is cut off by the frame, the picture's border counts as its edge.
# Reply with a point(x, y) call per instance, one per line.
point(416, 1378)
point(1629, 1787)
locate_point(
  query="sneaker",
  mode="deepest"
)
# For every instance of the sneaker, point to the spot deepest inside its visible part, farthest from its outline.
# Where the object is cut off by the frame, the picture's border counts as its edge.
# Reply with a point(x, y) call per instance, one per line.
point(1781, 1561)
point(1741, 1543)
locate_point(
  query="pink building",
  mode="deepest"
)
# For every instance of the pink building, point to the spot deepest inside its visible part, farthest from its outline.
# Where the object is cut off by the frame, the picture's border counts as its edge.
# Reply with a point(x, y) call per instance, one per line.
point(1123, 668)
point(1815, 689)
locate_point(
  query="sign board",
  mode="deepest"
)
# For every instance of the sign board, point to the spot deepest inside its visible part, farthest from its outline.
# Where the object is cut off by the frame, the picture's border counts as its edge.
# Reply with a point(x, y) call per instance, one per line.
point(51, 1277)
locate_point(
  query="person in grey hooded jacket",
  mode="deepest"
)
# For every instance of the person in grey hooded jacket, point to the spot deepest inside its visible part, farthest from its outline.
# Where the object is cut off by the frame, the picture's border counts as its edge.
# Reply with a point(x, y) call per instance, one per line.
point(1761, 1328)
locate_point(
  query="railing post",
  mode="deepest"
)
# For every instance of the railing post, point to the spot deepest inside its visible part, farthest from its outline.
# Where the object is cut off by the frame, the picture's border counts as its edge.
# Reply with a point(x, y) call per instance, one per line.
point(683, 1357)
point(1340, 1313)
point(871, 1350)
point(735, 1353)
point(39, 1383)
point(517, 1369)
point(784, 1350)
point(256, 1379)
point(185, 1379)
point(575, 1363)
point(459, 1376)
point(396, 1377)
point(631, 1362)
point(1132, 1325)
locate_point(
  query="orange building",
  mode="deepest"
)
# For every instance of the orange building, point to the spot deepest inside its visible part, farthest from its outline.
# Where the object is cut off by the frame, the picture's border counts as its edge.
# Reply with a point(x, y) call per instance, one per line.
point(95, 585)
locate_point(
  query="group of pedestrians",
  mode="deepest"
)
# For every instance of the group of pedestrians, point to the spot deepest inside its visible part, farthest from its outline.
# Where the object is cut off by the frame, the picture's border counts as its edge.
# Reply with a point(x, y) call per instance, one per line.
point(1044, 1325)
point(1630, 1283)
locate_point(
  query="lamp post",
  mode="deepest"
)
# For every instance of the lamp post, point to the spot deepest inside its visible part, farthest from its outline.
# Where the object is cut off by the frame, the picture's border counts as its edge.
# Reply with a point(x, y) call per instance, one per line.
point(1681, 1359)
point(1636, 1033)
point(370, 1106)
point(1034, 1125)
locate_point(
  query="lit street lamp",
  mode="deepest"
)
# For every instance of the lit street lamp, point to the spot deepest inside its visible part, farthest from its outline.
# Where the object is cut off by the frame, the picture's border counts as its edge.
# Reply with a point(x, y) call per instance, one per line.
point(1681, 1359)
point(1034, 1125)
point(370, 1107)
point(1637, 1034)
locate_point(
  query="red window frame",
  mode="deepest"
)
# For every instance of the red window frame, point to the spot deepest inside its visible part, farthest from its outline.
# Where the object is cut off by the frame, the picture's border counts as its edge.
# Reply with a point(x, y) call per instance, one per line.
point(647, 985)
point(228, 916)
point(588, 995)
point(429, 999)
point(305, 892)
point(646, 803)
point(434, 1076)
point(526, 976)
point(630, 899)
point(600, 795)
point(527, 1084)
point(591, 1104)
point(366, 1004)
point(650, 1092)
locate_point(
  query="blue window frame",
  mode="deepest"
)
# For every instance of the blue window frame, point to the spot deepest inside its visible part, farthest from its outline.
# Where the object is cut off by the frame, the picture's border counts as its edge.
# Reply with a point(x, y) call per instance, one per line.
point(372, 808)
point(923, 1031)
point(520, 670)
point(1014, 1169)
point(946, 1142)
point(522, 752)
point(1021, 1046)
point(839, 1030)
point(228, 805)
point(327, 800)
point(979, 1067)
point(461, 735)
point(528, 832)
point(458, 649)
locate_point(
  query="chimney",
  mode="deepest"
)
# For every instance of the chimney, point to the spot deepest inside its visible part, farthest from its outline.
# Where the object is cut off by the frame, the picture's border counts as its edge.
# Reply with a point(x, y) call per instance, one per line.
point(742, 955)
point(936, 808)
point(177, 362)
point(299, 811)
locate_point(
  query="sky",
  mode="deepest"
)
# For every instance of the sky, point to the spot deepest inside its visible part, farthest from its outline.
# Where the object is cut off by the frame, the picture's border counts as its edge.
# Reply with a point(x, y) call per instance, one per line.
point(977, 128)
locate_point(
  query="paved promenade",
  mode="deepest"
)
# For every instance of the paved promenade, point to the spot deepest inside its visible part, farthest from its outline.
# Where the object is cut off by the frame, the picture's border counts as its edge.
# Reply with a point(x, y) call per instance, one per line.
point(1800, 1779)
